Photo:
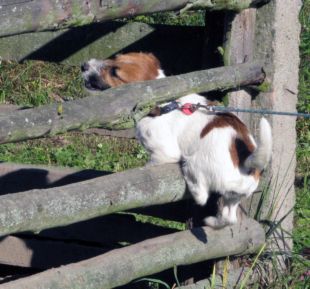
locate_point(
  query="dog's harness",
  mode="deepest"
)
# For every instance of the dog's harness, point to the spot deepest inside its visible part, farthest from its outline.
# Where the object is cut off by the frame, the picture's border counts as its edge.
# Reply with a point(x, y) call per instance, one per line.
point(186, 108)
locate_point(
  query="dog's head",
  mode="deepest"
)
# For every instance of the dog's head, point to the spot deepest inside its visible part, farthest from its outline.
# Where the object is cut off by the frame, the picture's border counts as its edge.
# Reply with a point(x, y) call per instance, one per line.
point(124, 68)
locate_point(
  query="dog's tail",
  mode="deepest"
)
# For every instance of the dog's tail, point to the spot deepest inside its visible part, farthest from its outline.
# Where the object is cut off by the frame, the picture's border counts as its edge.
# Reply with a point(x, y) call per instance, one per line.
point(260, 158)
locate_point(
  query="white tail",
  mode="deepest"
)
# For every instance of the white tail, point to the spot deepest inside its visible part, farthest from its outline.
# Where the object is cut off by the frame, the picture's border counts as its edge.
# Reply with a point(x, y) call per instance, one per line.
point(260, 158)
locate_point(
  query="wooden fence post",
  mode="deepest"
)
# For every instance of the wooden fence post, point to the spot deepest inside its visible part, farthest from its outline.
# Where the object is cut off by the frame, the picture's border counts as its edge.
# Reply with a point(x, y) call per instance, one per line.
point(271, 33)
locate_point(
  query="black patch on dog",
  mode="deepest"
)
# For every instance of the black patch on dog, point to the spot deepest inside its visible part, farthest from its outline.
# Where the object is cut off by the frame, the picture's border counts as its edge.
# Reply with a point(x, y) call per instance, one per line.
point(94, 82)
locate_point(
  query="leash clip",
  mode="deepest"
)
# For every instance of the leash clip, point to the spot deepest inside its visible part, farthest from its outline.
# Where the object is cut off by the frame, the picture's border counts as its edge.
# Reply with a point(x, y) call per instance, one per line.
point(189, 108)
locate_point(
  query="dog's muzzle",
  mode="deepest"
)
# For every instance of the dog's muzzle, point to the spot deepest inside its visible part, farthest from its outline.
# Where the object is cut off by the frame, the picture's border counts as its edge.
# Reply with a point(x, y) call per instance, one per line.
point(92, 79)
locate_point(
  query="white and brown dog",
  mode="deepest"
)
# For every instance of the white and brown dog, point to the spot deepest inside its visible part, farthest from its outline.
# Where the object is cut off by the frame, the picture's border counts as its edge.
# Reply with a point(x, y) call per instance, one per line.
point(216, 150)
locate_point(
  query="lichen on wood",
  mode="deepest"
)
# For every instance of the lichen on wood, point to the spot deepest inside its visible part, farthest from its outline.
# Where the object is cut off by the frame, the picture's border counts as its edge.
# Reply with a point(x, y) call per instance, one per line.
point(120, 266)
point(213, 5)
point(28, 16)
point(35, 210)
point(121, 107)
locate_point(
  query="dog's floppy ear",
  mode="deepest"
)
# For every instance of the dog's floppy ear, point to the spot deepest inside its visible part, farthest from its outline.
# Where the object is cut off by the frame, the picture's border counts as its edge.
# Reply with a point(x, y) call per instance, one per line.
point(128, 68)
point(110, 73)
point(114, 72)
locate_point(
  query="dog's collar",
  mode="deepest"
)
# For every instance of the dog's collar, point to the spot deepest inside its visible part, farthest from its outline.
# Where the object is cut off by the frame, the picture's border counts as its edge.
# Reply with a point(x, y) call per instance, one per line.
point(173, 105)
point(187, 108)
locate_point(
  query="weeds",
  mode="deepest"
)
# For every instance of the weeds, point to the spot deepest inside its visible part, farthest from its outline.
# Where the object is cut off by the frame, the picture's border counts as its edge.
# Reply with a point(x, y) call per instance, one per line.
point(303, 126)
point(77, 150)
point(34, 83)
point(189, 18)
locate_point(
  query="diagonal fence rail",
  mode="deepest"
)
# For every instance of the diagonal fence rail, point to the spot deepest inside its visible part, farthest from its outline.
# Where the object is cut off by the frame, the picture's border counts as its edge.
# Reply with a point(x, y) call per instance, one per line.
point(121, 107)
point(38, 15)
point(120, 266)
point(37, 209)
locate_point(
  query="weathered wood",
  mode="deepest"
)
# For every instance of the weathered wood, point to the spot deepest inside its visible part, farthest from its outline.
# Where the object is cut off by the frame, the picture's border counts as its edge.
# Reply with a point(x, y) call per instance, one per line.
point(121, 266)
point(25, 16)
point(77, 242)
point(111, 230)
point(75, 45)
point(277, 24)
point(121, 107)
point(102, 40)
point(125, 133)
point(271, 33)
point(43, 254)
point(20, 177)
point(36, 209)
point(239, 48)
point(234, 278)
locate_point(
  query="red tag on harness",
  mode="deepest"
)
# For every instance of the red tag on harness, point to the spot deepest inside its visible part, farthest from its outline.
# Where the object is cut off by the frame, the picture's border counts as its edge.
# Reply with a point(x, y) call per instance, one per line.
point(187, 108)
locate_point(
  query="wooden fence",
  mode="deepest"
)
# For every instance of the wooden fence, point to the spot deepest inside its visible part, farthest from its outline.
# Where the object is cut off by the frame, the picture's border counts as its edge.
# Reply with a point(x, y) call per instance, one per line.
point(256, 71)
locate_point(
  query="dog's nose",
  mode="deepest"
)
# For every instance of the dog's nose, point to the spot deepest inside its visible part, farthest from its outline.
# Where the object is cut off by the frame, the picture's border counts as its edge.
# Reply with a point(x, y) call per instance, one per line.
point(84, 66)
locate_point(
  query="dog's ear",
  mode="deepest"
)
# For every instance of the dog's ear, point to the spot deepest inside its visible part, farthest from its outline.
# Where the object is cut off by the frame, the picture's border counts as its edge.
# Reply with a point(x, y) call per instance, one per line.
point(115, 73)
point(110, 74)
point(128, 68)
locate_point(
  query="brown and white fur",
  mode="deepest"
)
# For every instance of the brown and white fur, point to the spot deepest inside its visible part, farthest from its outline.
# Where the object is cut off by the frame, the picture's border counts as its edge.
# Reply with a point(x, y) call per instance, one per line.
point(217, 152)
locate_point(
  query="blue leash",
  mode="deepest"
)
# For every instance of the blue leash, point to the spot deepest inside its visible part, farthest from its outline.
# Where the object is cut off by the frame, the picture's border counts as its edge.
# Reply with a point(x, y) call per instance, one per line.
point(189, 108)
point(260, 111)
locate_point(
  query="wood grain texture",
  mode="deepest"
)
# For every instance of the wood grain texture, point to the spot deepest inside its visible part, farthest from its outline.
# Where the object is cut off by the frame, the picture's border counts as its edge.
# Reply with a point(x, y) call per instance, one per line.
point(37, 209)
point(121, 266)
point(121, 107)
point(37, 15)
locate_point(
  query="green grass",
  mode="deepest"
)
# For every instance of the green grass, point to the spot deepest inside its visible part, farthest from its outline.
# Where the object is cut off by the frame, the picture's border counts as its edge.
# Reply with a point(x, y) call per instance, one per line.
point(301, 233)
point(303, 126)
point(34, 83)
point(77, 150)
point(188, 18)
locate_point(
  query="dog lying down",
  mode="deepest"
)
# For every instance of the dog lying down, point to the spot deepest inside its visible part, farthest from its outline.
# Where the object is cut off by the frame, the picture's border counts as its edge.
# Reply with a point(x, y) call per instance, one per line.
point(216, 150)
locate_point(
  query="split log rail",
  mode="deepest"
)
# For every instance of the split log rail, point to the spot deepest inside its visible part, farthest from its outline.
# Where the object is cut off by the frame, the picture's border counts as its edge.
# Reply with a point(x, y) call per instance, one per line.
point(37, 15)
point(121, 107)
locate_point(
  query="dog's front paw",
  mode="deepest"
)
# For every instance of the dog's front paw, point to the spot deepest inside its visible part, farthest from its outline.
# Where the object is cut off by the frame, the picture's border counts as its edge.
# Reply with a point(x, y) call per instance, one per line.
point(215, 222)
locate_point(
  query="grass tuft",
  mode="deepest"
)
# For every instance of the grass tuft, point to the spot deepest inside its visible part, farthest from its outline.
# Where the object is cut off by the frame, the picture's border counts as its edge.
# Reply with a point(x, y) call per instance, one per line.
point(34, 83)
point(77, 150)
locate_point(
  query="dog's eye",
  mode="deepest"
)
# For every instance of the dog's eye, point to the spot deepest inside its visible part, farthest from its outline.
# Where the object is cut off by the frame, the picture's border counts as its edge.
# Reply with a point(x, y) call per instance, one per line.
point(113, 71)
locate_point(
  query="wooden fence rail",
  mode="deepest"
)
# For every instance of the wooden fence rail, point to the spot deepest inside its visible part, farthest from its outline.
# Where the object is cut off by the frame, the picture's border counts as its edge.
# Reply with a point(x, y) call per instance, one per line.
point(36, 210)
point(117, 108)
point(37, 15)
point(120, 266)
